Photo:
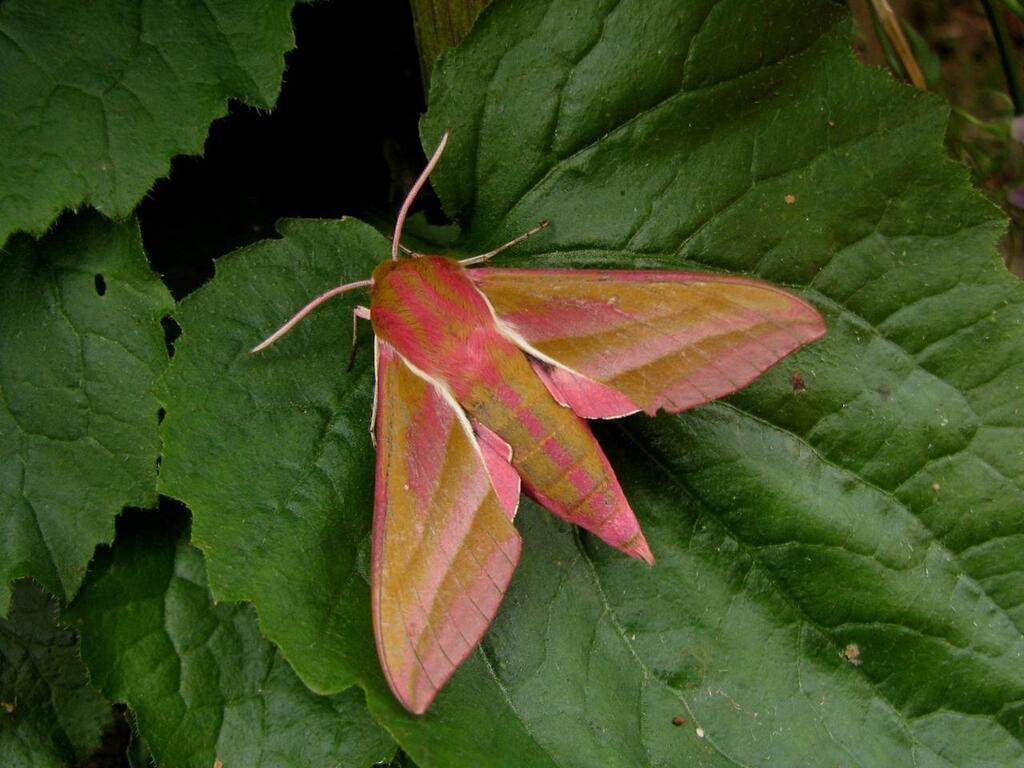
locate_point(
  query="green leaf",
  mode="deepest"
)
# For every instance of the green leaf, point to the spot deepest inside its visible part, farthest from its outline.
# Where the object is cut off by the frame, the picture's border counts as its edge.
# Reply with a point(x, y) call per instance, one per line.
point(95, 98)
point(928, 59)
point(309, 495)
point(840, 567)
point(49, 714)
point(202, 682)
point(139, 755)
point(80, 351)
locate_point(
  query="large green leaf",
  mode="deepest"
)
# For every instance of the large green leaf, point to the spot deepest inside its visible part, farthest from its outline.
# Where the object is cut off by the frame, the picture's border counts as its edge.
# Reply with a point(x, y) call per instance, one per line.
point(839, 574)
point(201, 681)
point(309, 497)
point(95, 98)
point(50, 715)
point(80, 350)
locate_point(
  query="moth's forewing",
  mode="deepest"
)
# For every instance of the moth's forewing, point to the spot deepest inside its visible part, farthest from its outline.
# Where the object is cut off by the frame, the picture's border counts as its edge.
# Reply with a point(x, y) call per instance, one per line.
point(444, 549)
point(661, 339)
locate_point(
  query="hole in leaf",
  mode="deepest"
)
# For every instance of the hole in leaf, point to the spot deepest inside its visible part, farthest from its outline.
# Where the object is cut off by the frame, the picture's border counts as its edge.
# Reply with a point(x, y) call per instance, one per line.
point(115, 737)
point(171, 332)
point(101, 285)
point(219, 202)
point(160, 415)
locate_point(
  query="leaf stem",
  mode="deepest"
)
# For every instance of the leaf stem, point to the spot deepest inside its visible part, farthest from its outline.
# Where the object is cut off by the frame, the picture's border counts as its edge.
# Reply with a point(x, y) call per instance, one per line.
point(1015, 7)
point(1006, 57)
point(883, 41)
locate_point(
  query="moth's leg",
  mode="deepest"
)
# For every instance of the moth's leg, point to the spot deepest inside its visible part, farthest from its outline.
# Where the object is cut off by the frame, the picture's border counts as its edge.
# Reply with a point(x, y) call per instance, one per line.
point(358, 312)
point(373, 408)
point(491, 254)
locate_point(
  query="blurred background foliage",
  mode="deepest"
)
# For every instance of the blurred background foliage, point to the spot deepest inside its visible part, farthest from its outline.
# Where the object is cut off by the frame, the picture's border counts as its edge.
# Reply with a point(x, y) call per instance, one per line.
point(969, 51)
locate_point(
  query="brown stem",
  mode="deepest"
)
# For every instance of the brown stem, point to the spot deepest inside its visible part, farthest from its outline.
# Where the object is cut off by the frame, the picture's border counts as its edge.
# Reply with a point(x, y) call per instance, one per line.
point(891, 24)
point(439, 25)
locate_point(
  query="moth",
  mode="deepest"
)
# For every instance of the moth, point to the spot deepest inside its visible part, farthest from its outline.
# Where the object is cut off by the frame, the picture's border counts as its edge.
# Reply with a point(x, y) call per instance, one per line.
point(484, 379)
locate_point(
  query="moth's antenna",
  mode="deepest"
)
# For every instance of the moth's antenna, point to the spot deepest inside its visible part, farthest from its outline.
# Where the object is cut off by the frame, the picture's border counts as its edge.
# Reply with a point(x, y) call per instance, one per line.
point(395, 245)
point(516, 241)
point(297, 317)
point(396, 240)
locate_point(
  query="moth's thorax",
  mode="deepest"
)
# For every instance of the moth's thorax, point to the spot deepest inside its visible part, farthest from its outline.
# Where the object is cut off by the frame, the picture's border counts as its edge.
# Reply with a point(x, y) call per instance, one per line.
point(430, 311)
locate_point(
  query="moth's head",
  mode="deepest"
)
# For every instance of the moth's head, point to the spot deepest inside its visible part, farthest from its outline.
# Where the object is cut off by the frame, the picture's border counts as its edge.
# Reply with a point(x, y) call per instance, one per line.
point(421, 275)
point(382, 270)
